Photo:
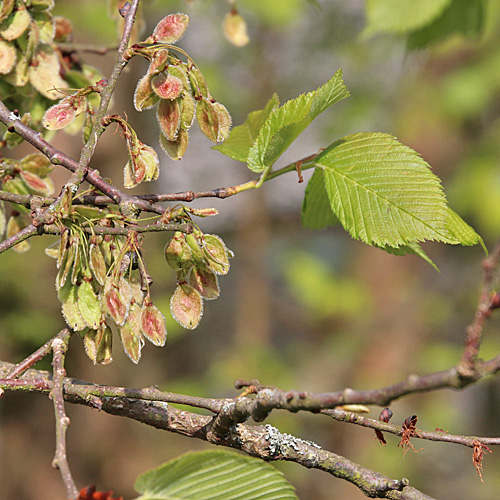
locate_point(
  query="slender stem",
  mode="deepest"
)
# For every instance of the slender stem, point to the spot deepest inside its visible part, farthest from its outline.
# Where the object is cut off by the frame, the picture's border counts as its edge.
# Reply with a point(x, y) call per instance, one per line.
point(33, 358)
point(442, 436)
point(59, 347)
point(85, 47)
point(106, 95)
point(22, 235)
point(474, 334)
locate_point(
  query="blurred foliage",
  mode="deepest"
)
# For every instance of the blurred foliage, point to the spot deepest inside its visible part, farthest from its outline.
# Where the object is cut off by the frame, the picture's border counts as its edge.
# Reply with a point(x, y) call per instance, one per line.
point(300, 309)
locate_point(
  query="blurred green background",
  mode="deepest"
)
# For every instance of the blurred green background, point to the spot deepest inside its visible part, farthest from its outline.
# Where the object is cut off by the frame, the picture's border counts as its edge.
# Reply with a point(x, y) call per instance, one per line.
point(299, 309)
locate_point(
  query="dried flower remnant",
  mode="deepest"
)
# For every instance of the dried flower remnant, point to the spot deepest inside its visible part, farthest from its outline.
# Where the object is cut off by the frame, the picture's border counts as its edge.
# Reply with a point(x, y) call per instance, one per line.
point(409, 430)
point(478, 455)
point(89, 493)
point(385, 416)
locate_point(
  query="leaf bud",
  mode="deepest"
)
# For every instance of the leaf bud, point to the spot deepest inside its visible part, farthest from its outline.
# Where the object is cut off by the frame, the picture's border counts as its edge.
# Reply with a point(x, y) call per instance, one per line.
point(235, 28)
point(169, 29)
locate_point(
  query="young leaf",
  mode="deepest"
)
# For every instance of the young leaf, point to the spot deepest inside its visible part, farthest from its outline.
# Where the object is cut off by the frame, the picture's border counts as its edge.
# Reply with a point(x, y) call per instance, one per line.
point(284, 125)
point(316, 210)
point(385, 194)
point(402, 16)
point(242, 137)
point(225, 476)
point(466, 17)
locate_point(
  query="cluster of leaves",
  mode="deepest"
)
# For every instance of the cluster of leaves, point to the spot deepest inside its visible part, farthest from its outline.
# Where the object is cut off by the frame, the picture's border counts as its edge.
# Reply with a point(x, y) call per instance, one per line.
point(197, 258)
point(178, 89)
point(32, 63)
point(26, 176)
point(381, 191)
point(98, 286)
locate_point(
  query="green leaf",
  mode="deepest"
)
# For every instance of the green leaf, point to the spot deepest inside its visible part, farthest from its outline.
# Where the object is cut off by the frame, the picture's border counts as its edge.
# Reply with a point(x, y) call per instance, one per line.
point(411, 248)
point(242, 137)
point(465, 17)
point(401, 16)
point(385, 194)
point(461, 231)
point(316, 210)
point(284, 124)
point(214, 475)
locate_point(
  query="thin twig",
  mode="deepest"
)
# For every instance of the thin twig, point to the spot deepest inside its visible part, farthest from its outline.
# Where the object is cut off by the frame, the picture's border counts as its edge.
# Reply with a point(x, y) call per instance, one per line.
point(355, 418)
point(59, 346)
point(86, 47)
point(474, 334)
point(22, 235)
point(33, 358)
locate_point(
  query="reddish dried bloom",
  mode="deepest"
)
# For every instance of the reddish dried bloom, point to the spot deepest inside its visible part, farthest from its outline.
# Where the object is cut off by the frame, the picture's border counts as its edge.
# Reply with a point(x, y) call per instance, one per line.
point(408, 430)
point(477, 457)
point(89, 493)
point(385, 416)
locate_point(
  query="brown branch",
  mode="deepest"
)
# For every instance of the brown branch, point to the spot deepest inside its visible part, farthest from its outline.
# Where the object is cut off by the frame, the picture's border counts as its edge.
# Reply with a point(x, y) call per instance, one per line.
point(22, 235)
point(264, 442)
point(269, 398)
point(85, 47)
point(355, 418)
point(483, 312)
point(97, 128)
point(33, 358)
point(59, 347)
point(57, 157)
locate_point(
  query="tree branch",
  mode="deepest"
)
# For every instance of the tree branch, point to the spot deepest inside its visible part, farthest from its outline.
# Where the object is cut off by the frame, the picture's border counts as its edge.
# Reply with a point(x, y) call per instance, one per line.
point(59, 347)
point(264, 442)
